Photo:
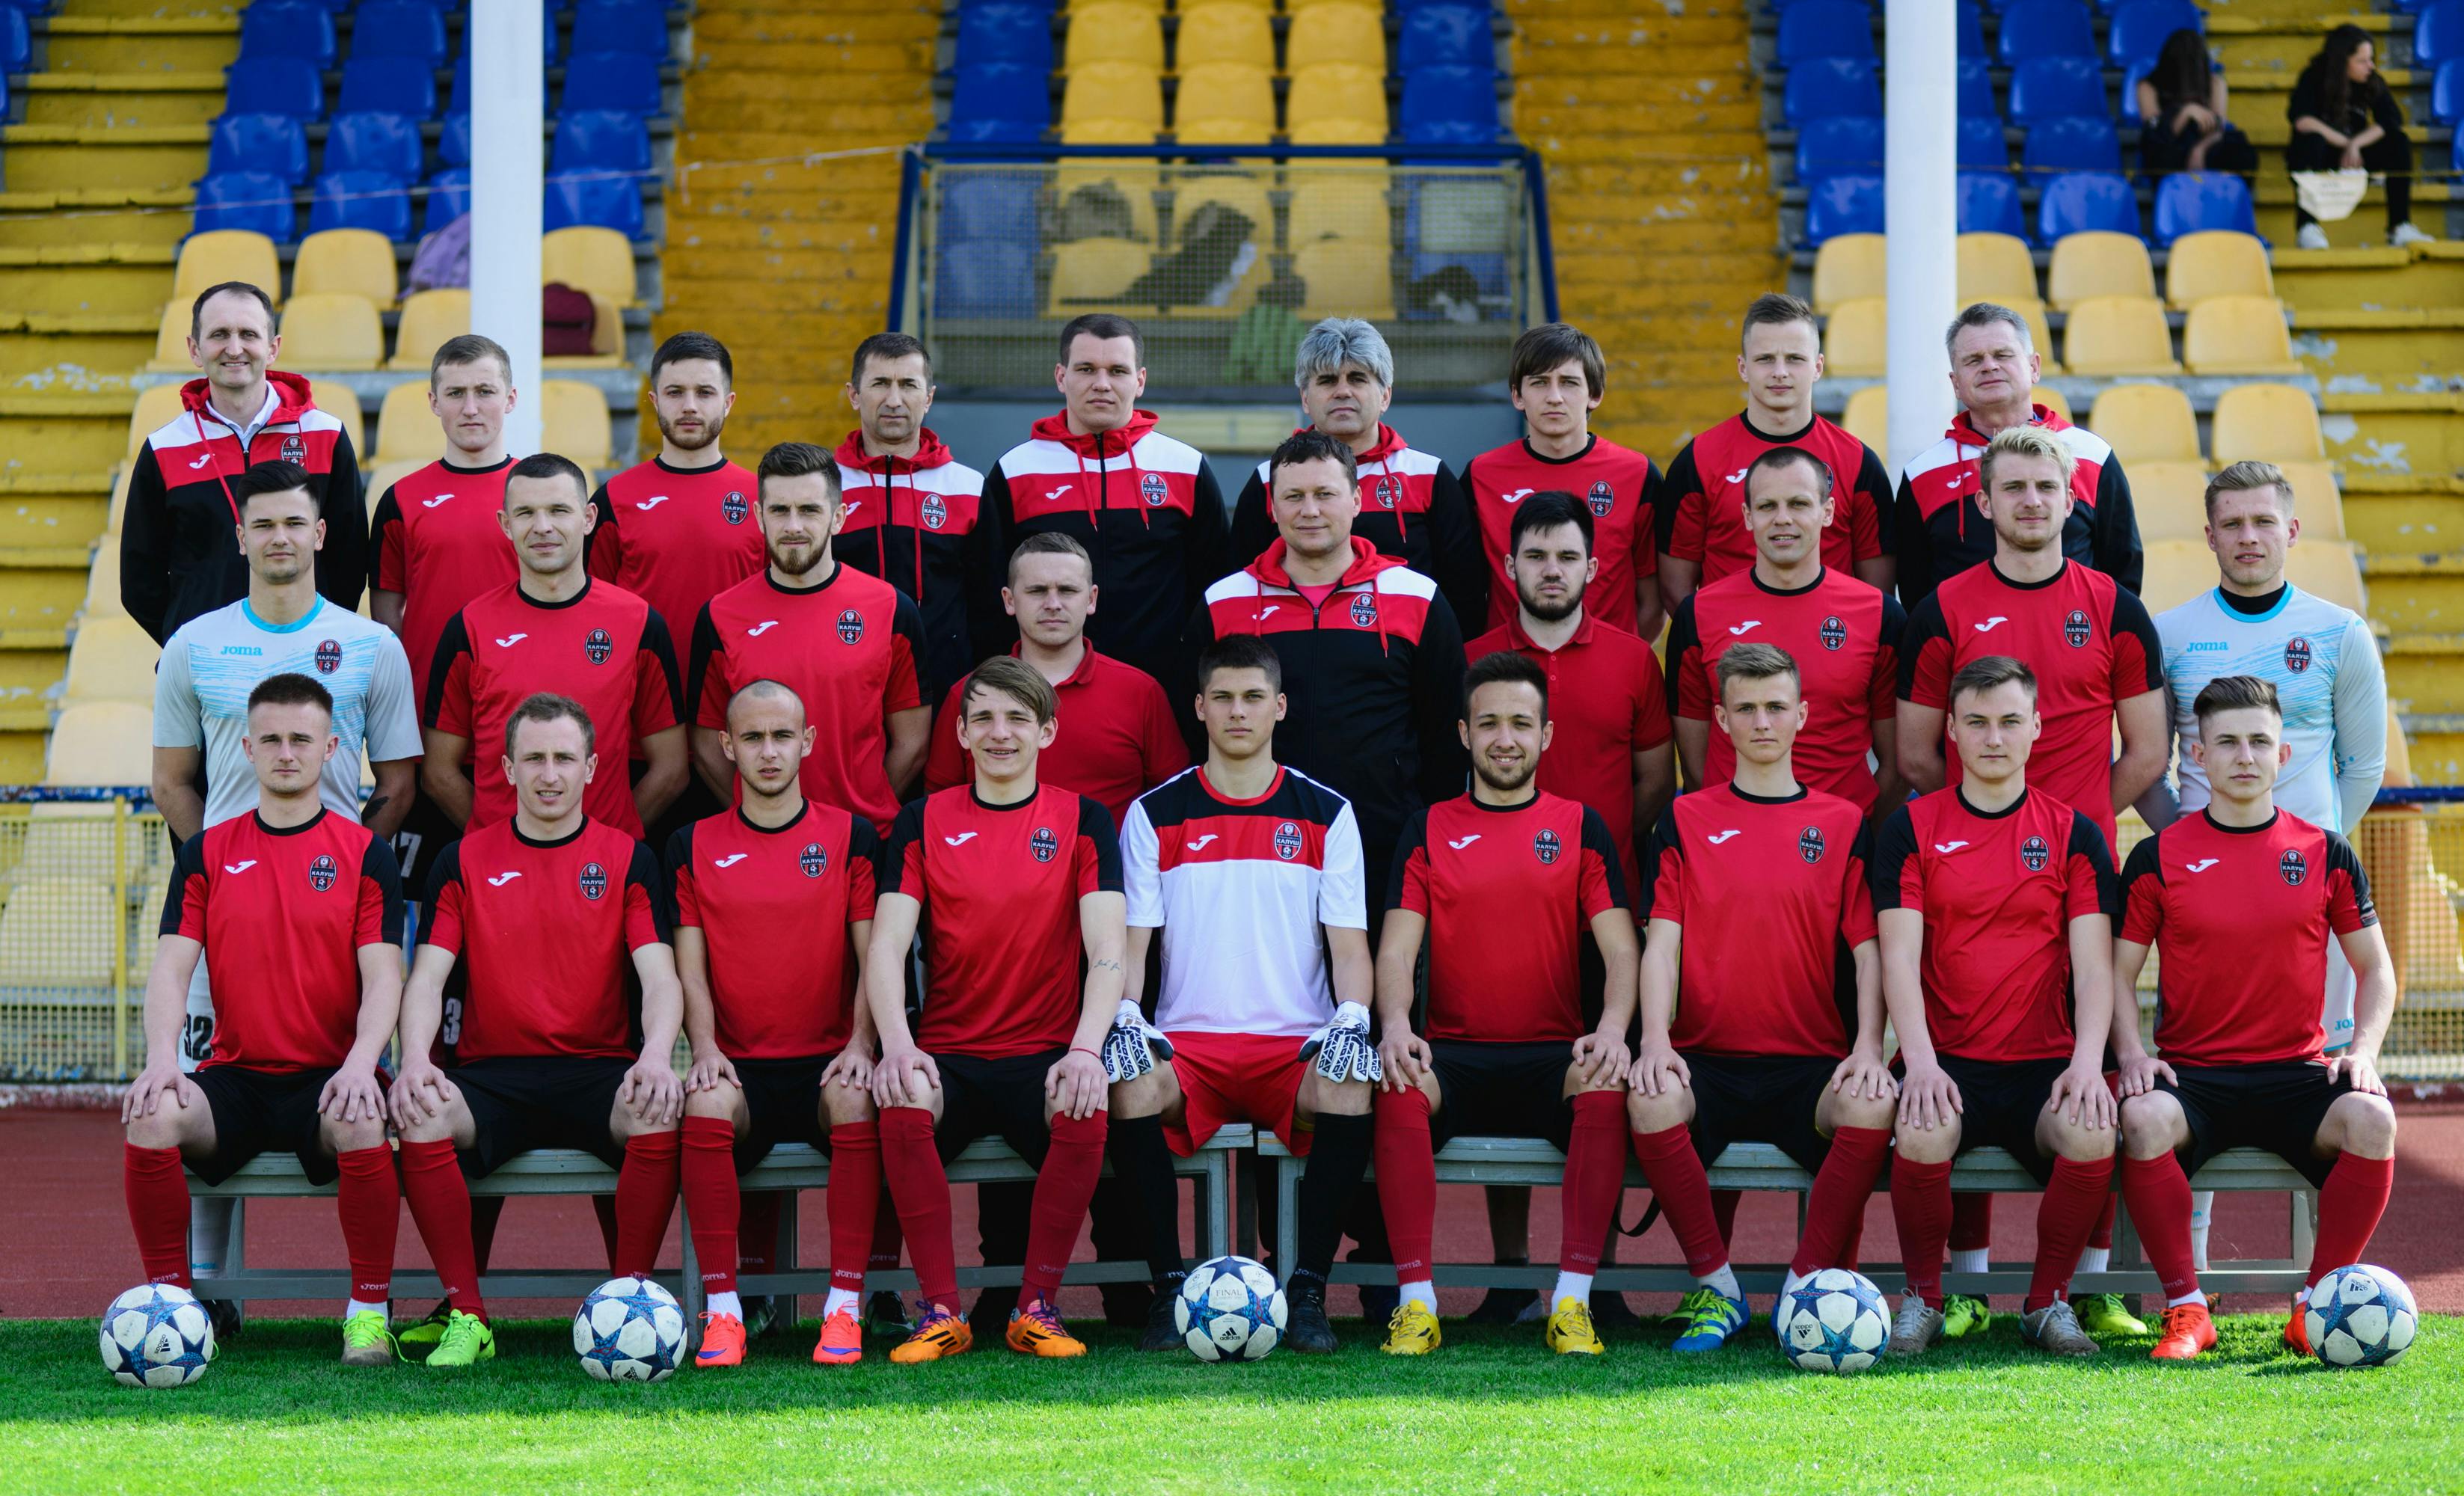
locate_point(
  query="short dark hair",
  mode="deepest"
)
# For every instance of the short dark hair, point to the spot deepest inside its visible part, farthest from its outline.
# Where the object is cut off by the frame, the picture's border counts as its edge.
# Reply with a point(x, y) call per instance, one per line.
point(1104, 326)
point(1240, 652)
point(1753, 662)
point(766, 689)
point(1048, 542)
point(1783, 457)
point(271, 478)
point(1312, 445)
point(1987, 673)
point(681, 346)
point(888, 345)
point(291, 688)
point(797, 460)
point(1544, 347)
point(1547, 509)
point(2234, 694)
point(2245, 475)
point(197, 308)
point(1505, 668)
point(468, 348)
point(1776, 309)
point(546, 706)
point(548, 465)
point(1016, 679)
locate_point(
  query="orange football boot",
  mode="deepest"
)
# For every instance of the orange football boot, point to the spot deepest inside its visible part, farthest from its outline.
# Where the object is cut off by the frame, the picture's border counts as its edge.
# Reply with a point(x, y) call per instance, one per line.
point(722, 1341)
point(842, 1342)
point(2186, 1332)
point(1035, 1329)
point(940, 1334)
point(2297, 1334)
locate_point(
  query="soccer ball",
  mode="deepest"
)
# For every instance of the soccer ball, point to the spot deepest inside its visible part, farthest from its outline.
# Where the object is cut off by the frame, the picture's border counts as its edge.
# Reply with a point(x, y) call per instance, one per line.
point(629, 1329)
point(2360, 1316)
point(1833, 1320)
point(1229, 1309)
point(157, 1334)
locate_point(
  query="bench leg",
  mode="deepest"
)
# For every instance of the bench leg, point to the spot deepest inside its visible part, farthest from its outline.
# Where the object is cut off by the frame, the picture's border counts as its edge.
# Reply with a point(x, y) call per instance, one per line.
point(1207, 1207)
point(694, 1299)
point(235, 1245)
point(783, 1258)
point(1287, 1214)
point(1244, 1202)
point(2305, 1227)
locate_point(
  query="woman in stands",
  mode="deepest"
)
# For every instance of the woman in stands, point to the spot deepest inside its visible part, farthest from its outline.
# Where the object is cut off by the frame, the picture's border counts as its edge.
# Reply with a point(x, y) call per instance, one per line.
point(2182, 104)
point(2345, 117)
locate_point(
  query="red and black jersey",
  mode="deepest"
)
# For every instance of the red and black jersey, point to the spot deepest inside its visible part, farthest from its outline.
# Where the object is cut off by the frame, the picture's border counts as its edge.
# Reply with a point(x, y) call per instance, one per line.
point(1146, 508)
point(748, 889)
point(1845, 638)
point(1114, 736)
point(439, 541)
point(1702, 513)
point(1622, 487)
point(1608, 703)
point(1411, 508)
point(676, 536)
point(2091, 644)
point(850, 646)
point(2242, 917)
point(1998, 893)
point(1508, 893)
point(545, 932)
point(1938, 531)
point(1772, 895)
point(915, 523)
point(1000, 885)
point(603, 647)
point(282, 912)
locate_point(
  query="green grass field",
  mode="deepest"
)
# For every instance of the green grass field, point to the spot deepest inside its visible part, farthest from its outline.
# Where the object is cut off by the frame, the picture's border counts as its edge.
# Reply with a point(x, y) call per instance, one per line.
point(1490, 1412)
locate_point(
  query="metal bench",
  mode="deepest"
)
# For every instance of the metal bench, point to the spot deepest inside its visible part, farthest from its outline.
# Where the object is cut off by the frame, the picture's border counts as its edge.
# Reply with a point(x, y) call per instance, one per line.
point(1760, 1166)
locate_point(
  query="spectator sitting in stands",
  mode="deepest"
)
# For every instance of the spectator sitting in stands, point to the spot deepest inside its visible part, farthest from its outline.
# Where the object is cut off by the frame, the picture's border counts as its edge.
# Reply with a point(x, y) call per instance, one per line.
point(2184, 126)
point(2345, 117)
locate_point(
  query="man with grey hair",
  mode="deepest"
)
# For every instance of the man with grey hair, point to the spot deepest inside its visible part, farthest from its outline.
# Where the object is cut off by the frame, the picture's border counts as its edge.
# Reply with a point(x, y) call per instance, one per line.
point(1411, 507)
point(1939, 528)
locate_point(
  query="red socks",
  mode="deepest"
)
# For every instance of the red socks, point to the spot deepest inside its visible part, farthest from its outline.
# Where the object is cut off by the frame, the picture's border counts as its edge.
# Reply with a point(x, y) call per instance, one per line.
point(922, 1197)
point(2102, 1238)
point(2349, 1206)
point(1921, 1205)
point(711, 1201)
point(1684, 1194)
point(157, 1187)
point(1063, 1188)
point(646, 1196)
point(756, 1225)
point(887, 1238)
point(2159, 1195)
point(604, 1206)
point(370, 1203)
point(1407, 1180)
point(1834, 1209)
point(1971, 1223)
point(1594, 1178)
point(1724, 1206)
point(440, 1206)
point(2074, 1197)
point(854, 1201)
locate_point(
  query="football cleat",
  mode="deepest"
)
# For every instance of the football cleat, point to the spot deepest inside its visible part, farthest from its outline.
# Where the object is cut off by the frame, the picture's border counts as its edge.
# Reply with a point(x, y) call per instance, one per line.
point(885, 1314)
point(429, 1331)
point(2105, 1315)
point(760, 1314)
point(1412, 1329)
point(2055, 1329)
point(941, 1333)
point(1569, 1330)
point(466, 1340)
point(842, 1342)
point(722, 1341)
point(1917, 1328)
point(1711, 1317)
point(2297, 1334)
point(1964, 1315)
point(1160, 1332)
point(2188, 1331)
point(1304, 1324)
point(228, 1315)
point(1035, 1329)
point(366, 1341)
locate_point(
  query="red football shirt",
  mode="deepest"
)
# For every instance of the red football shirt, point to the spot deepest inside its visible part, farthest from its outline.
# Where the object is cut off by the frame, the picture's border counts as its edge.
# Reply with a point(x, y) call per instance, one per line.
point(1702, 513)
point(1114, 738)
point(545, 931)
point(1623, 489)
point(282, 914)
point(1772, 894)
point(439, 543)
point(1543, 870)
point(850, 647)
point(2242, 917)
point(1000, 885)
point(746, 888)
point(1844, 637)
point(603, 647)
point(1998, 893)
point(676, 536)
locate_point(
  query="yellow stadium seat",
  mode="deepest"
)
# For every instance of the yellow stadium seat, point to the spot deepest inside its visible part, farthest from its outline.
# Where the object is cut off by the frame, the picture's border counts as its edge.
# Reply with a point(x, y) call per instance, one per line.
point(1868, 416)
point(102, 584)
point(2317, 501)
point(73, 839)
point(386, 474)
point(171, 342)
point(1335, 98)
point(2119, 334)
point(1347, 29)
point(606, 341)
point(1099, 190)
point(2216, 262)
point(2147, 422)
point(1221, 131)
point(1297, 6)
point(1242, 92)
point(1108, 132)
point(112, 660)
point(118, 501)
point(353, 261)
point(1112, 33)
point(1114, 90)
point(2040, 334)
point(2331, 569)
point(220, 255)
point(428, 318)
point(62, 933)
point(2269, 422)
point(1849, 266)
point(407, 430)
point(1212, 33)
point(1346, 278)
point(2238, 335)
point(590, 258)
point(1091, 273)
point(2098, 263)
point(1340, 202)
point(2170, 499)
point(1995, 266)
point(342, 403)
point(2053, 399)
point(1855, 342)
point(574, 420)
point(1243, 194)
point(2177, 570)
point(1337, 132)
point(102, 742)
point(157, 405)
point(334, 332)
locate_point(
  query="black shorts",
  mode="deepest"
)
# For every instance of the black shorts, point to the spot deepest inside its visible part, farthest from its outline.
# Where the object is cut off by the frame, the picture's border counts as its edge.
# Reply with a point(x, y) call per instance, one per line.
point(995, 1098)
point(522, 1102)
point(1999, 1104)
point(1501, 1091)
point(260, 1112)
point(783, 1098)
point(2276, 1108)
point(1760, 1098)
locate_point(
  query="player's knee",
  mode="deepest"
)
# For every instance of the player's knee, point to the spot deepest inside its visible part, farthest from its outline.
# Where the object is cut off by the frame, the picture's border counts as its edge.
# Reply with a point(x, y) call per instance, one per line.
point(718, 1101)
point(1143, 1095)
point(2151, 1125)
point(352, 1136)
point(158, 1130)
point(1876, 1113)
point(1936, 1144)
point(2370, 1125)
point(2080, 1143)
point(1648, 1113)
point(1345, 1098)
point(842, 1105)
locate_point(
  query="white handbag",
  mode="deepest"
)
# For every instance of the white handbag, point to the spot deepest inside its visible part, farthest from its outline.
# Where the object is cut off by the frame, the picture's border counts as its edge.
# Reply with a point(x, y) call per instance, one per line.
point(2331, 196)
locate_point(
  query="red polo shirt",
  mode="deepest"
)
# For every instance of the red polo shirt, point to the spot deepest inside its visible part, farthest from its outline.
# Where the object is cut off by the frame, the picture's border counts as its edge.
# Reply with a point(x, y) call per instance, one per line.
point(1114, 738)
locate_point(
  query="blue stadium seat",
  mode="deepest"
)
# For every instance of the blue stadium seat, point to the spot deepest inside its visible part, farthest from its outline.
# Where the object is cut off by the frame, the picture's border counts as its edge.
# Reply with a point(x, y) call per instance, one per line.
point(992, 205)
point(2085, 142)
point(611, 81)
point(360, 200)
point(2050, 88)
point(1989, 202)
point(2189, 201)
point(2128, 109)
point(2045, 28)
point(280, 30)
point(1976, 91)
point(634, 26)
point(1972, 30)
point(1446, 36)
point(16, 41)
point(607, 139)
point(274, 143)
point(1825, 28)
point(985, 277)
point(448, 197)
point(1449, 106)
point(2447, 93)
point(399, 28)
point(1843, 205)
point(388, 86)
point(454, 146)
point(1843, 146)
point(1981, 146)
point(1005, 32)
point(257, 200)
point(2141, 27)
point(1000, 101)
point(595, 199)
point(387, 143)
point(2078, 201)
point(2438, 35)
point(276, 85)
point(1828, 86)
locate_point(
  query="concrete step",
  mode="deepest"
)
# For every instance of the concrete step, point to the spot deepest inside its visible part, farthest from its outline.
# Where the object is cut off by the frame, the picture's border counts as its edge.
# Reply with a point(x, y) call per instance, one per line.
point(54, 434)
point(2396, 435)
point(74, 358)
point(2398, 348)
point(816, 27)
point(87, 43)
point(2416, 593)
point(71, 227)
point(2357, 279)
point(52, 157)
point(2426, 672)
point(2389, 516)
point(21, 756)
point(135, 286)
point(757, 61)
point(1542, 43)
point(2436, 747)
point(1588, 136)
point(30, 521)
point(899, 114)
point(95, 99)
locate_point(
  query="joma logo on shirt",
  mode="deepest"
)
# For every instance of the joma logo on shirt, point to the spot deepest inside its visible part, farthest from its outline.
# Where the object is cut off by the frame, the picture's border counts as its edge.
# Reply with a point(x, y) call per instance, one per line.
point(249, 649)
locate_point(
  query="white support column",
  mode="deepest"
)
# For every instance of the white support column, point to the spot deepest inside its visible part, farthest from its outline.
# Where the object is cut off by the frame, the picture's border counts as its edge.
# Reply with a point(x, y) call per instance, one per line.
point(508, 102)
point(1922, 202)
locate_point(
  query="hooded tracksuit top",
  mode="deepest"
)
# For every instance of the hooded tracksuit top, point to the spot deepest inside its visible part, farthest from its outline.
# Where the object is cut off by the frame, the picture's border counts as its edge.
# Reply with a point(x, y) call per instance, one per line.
point(916, 523)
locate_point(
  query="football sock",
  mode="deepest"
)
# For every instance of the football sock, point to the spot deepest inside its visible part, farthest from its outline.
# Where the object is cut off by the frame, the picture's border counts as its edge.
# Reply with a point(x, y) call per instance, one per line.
point(922, 1197)
point(158, 1211)
point(368, 1198)
point(440, 1206)
point(713, 1201)
point(1063, 1187)
point(728, 1302)
point(1971, 1223)
point(1338, 1156)
point(1594, 1178)
point(1423, 1291)
point(2159, 1197)
point(1722, 1278)
point(1684, 1194)
point(209, 1234)
point(1576, 1285)
point(646, 1196)
point(2100, 1238)
point(887, 1240)
point(2067, 1212)
point(1407, 1184)
point(1921, 1207)
point(1971, 1259)
point(487, 1210)
point(855, 1201)
point(2349, 1206)
point(848, 1299)
point(363, 1306)
point(756, 1225)
point(603, 1208)
point(2201, 1206)
point(1836, 1206)
point(1140, 1156)
point(1723, 1205)
point(2096, 1259)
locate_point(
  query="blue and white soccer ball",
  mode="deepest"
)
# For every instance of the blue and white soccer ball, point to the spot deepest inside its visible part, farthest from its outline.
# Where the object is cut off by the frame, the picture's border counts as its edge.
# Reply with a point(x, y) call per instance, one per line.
point(157, 1334)
point(1833, 1320)
point(629, 1329)
point(2359, 1315)
point(1229, 1309)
